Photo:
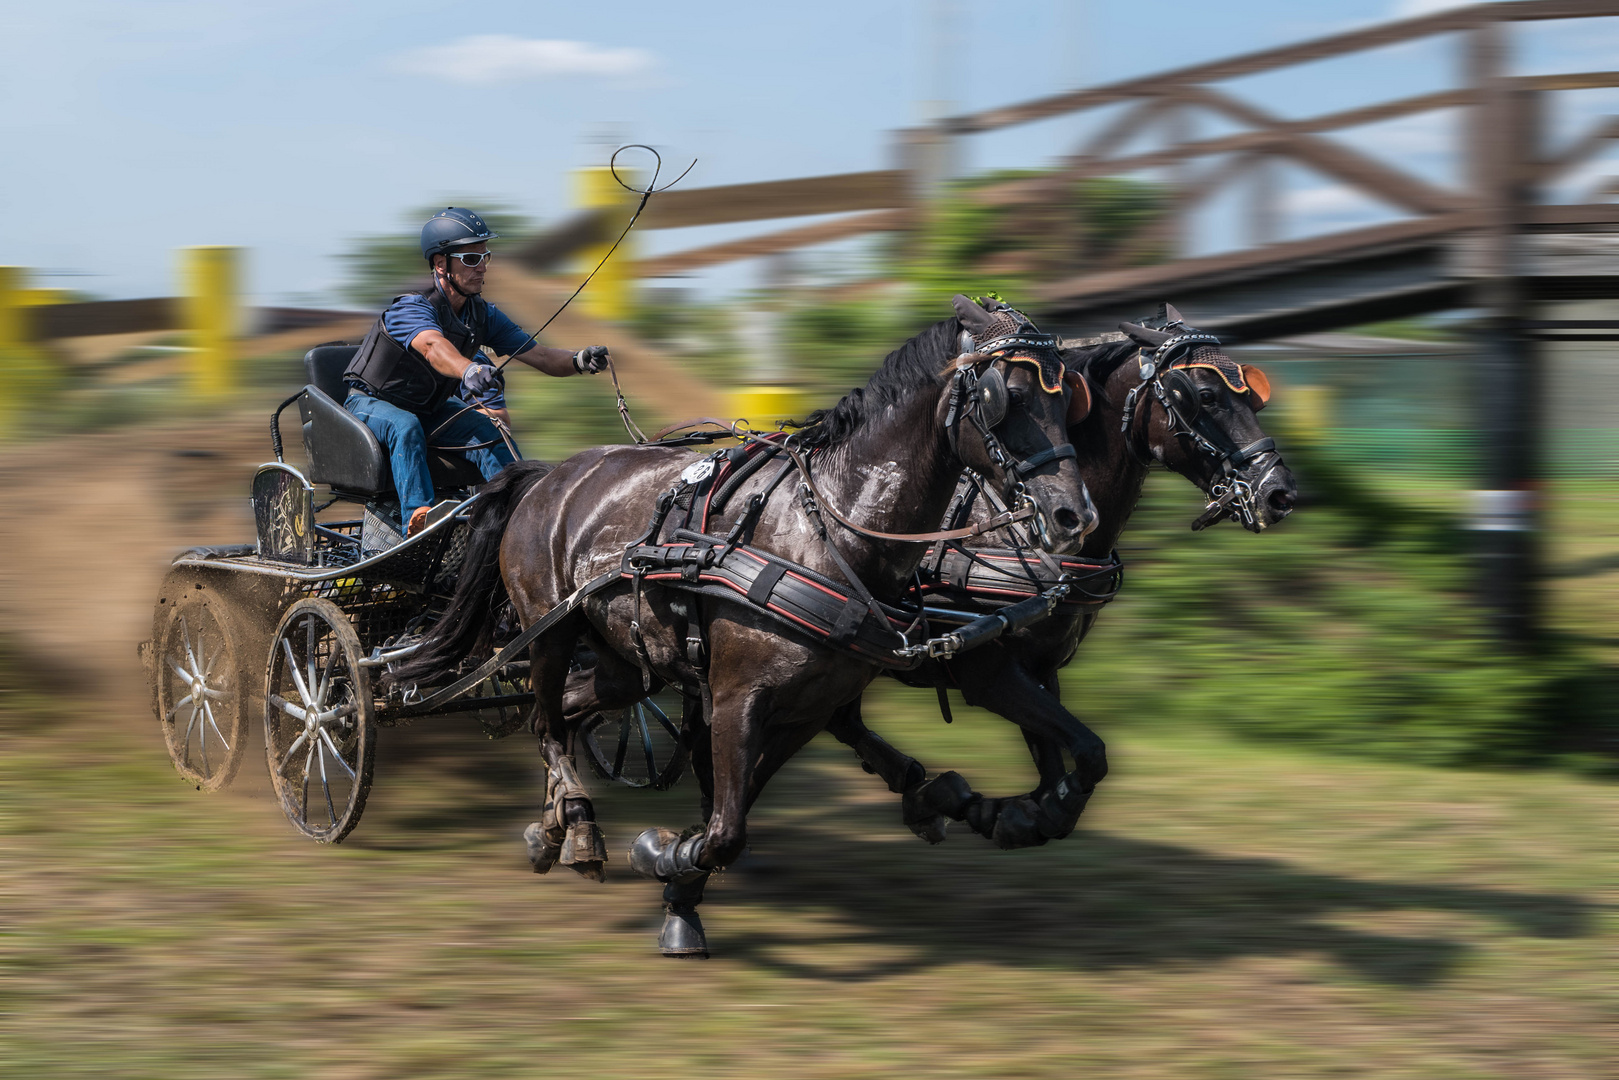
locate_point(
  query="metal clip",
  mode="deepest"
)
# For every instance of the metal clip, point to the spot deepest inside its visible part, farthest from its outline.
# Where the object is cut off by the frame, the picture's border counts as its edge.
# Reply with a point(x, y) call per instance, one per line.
point(697, 471)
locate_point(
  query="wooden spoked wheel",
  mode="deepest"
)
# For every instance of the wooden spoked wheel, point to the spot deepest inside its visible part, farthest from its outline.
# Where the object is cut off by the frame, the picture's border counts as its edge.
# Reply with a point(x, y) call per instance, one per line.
point(202, 699)
point(319, 735)
point(637, 747)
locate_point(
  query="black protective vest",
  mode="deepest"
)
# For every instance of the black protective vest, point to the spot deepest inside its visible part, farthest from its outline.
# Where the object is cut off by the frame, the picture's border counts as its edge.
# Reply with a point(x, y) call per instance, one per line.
point(386, 369)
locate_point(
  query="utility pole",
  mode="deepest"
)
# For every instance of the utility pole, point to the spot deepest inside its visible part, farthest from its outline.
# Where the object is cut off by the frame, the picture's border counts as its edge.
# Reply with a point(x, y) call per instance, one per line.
point(1503, 149)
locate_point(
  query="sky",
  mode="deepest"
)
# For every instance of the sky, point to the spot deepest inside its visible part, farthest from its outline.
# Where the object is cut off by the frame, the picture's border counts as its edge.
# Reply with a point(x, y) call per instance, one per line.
point(292, 128)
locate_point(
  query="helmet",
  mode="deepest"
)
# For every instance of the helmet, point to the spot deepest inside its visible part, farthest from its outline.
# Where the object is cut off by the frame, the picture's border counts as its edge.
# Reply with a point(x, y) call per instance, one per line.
point(451, 228)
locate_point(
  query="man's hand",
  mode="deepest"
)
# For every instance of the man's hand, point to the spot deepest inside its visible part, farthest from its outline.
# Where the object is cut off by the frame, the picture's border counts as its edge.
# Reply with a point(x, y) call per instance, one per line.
point(478, 377)
point(589, 361)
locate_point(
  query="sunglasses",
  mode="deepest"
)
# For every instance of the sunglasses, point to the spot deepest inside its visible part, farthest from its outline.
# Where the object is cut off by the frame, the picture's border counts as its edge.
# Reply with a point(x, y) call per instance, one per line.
point(471, 258)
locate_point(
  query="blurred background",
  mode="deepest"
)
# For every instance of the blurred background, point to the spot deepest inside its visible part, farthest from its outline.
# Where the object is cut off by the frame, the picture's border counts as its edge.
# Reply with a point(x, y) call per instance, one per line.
point(1361, 814)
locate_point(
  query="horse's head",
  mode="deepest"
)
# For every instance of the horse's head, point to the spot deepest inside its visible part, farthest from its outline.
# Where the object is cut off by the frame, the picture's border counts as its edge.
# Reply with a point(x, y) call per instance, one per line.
point(1192, 409)
point(1006, 409)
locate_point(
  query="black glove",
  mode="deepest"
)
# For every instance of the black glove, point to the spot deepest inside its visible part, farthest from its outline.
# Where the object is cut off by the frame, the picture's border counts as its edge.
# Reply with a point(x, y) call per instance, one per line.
point(590, 360)
point(478, 377)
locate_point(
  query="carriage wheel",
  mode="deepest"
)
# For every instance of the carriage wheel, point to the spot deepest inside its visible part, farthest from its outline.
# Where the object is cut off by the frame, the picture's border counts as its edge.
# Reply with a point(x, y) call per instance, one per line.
point(637, 747)
point(500, 721)
point(202, 699)
point(318, 731)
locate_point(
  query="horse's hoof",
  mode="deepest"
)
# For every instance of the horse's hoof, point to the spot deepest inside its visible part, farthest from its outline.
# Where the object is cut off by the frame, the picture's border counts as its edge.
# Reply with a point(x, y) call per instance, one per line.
point(934, 830)
point(920, 818)
point(948, 794)
point(927, 807)
point(682, 935)
point(584, 851)
point(541, 855)
point(646, 848)
point(1016, 825)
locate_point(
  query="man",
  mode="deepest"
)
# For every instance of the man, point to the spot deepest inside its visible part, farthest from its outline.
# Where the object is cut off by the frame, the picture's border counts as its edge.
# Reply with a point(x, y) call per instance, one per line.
point(404, 380)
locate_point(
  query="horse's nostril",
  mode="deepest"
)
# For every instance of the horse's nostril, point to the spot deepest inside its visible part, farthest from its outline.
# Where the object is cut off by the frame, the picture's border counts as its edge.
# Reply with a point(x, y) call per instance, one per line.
point(1066, 518)
point(1281, 500)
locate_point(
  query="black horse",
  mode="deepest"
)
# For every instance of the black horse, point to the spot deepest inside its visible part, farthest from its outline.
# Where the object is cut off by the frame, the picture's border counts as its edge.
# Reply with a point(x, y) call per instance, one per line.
point(885, 459)
point(1194, 427)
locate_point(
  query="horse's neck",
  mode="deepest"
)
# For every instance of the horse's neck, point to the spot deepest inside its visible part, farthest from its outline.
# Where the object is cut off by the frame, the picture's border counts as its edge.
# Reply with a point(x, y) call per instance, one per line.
point(1112, 474)
point(895, 473)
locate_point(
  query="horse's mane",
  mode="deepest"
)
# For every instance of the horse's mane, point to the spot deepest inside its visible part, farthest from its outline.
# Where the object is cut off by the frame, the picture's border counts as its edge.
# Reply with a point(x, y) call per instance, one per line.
point(915, 367)
point(1098, 362)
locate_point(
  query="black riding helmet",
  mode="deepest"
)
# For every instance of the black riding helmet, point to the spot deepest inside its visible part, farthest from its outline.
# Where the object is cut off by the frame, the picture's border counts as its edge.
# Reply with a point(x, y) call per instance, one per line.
point(452, 227)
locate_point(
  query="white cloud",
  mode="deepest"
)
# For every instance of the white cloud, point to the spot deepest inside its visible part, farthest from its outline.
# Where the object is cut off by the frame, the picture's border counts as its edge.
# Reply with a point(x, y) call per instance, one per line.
point(492, 58)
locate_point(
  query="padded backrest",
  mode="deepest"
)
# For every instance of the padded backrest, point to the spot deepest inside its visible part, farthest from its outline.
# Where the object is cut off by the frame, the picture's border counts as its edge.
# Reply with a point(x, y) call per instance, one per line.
point(342, 451)
point(324, 366)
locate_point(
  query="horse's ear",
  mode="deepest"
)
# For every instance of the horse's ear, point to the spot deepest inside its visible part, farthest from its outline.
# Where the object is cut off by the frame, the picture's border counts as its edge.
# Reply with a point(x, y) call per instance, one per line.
point(1079, 406)
point(973, 317)
point(1142, 336)
point(1171, 315)
point(1258, 385)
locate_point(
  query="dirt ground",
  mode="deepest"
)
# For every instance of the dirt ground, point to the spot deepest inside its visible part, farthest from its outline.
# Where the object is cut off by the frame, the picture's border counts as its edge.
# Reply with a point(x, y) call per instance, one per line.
point(1223, 912)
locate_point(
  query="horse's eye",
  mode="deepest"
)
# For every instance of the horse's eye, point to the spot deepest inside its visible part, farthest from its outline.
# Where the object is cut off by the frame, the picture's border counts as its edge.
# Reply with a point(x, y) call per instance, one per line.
point(1015, 398)
point(1207, 396)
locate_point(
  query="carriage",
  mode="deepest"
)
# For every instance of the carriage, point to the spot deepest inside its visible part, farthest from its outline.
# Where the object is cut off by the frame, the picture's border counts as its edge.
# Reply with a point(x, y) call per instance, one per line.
point(298, 626)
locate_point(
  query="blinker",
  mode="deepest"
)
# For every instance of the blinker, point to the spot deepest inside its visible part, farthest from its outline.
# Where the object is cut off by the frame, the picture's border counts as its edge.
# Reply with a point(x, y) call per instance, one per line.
point(989, 397)
point(1182, 392)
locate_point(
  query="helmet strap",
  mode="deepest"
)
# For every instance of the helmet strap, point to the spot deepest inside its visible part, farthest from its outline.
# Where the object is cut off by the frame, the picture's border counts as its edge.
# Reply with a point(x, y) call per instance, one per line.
point(450, 280)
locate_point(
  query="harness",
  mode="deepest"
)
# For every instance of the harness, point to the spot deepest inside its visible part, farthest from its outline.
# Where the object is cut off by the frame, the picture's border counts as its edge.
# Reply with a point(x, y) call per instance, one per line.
point(1164, 374)
point(386, 369)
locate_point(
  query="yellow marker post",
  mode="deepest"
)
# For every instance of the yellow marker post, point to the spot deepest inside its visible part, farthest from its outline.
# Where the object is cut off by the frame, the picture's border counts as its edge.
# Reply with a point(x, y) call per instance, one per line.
point(26, 366)
point(610, 293)
point(1310, 410)
point(13, 301)
point(764, 406)
point(211, 315)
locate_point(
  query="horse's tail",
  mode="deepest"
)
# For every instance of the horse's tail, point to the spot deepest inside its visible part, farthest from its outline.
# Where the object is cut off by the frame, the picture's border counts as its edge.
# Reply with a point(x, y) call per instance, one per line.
point(479, 592)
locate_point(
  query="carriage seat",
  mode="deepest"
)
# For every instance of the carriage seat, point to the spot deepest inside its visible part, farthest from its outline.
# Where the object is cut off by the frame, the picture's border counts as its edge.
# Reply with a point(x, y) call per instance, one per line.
point(343, 452)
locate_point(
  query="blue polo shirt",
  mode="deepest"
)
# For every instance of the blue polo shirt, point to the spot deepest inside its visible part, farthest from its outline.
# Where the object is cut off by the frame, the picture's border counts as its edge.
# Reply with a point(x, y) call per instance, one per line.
point(410, 315)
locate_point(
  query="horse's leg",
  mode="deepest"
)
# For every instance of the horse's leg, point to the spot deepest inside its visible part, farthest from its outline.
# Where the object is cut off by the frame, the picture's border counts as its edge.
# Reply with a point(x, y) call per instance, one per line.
point(567, 832)
point(1015, 693)
point(902, 773)
point(684, 861)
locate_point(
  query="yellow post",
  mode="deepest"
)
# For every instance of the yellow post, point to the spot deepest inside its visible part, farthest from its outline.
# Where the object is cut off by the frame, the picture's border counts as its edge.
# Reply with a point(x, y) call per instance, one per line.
point(13, 301)
point(1310, 410)
point(26, 367)
point(609, 294)
point(763, 406)
point(211, 305)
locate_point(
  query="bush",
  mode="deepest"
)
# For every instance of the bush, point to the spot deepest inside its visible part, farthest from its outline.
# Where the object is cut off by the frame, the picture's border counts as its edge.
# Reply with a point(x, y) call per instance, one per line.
point(1350, 626)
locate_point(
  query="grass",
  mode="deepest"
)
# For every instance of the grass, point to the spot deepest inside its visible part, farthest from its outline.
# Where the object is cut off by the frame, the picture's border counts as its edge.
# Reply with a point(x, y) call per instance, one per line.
point(1225, 910)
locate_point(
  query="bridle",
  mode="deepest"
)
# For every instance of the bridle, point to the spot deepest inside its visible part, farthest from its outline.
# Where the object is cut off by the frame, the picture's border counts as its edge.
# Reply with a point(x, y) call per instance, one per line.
point(1164, 373)
point(978, 395)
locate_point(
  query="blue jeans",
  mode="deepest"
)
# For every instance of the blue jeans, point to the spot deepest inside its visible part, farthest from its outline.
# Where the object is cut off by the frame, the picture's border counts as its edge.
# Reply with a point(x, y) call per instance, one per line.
point(404, 433)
